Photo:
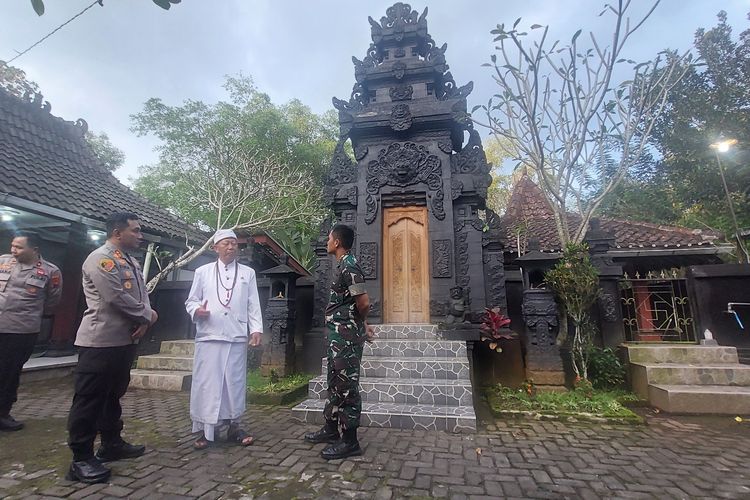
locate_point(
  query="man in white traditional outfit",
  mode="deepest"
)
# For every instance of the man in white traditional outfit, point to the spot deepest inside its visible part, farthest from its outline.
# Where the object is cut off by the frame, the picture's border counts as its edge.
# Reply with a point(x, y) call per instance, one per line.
point(224, 305)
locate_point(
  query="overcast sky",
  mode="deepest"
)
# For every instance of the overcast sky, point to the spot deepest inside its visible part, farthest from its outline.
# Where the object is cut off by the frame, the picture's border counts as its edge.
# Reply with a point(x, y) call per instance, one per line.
point(105, 64)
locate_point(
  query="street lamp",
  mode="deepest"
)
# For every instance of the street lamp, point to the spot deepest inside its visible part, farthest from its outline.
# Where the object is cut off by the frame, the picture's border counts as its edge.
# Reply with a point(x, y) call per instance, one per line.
point(723, 146)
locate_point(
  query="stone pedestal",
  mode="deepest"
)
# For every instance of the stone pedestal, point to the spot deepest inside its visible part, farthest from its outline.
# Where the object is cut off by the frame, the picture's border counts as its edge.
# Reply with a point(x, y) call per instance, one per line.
point(279, 354)
point(543, 362)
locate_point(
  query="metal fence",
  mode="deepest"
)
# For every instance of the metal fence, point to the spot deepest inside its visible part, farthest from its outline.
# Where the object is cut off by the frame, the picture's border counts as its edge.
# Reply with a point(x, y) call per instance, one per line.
point(656, 308)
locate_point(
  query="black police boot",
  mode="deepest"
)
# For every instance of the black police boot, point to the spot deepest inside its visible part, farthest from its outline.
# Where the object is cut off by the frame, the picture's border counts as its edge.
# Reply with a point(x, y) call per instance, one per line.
point(119, 450)
point(89, 471)
point(329, 433)
point(8, 423)
point(347, 447)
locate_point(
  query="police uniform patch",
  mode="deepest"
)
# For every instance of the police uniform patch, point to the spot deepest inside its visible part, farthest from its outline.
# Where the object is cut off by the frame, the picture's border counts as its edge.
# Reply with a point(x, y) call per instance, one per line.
point(128, 285)
point(32, 290)
point(128, 274)
point(41, 272)
point(118, 254)
point(55, 279)
point(107, 264)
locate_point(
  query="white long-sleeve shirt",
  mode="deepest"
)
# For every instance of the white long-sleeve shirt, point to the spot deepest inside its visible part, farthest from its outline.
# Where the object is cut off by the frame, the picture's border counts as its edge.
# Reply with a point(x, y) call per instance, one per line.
point(241, 315)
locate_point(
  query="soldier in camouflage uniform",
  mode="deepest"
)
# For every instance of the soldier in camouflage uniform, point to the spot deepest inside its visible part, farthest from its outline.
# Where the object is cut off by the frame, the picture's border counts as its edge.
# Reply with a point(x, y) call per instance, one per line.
point(347, 332)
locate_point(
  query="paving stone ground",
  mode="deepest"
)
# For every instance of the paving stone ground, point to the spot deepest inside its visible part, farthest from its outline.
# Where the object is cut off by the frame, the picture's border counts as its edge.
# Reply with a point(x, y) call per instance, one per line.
point(671, 457)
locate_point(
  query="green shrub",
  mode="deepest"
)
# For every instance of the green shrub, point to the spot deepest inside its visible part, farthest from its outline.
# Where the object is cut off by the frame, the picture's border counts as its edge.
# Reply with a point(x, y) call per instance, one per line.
point(605, 369)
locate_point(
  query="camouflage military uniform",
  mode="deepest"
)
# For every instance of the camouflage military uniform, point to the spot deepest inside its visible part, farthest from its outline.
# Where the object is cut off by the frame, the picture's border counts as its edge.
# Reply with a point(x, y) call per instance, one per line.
point(346, 336)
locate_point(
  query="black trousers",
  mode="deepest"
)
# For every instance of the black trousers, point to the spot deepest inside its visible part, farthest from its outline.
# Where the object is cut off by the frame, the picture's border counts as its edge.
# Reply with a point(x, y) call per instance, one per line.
point(101, 379)
point(15, 350)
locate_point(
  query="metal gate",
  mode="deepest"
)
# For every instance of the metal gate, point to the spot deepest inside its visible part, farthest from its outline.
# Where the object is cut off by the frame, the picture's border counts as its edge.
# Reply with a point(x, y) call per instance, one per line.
point(656, 308)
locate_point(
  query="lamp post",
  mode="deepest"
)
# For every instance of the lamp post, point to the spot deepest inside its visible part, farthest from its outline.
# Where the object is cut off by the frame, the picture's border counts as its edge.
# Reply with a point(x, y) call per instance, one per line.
point(723, 146)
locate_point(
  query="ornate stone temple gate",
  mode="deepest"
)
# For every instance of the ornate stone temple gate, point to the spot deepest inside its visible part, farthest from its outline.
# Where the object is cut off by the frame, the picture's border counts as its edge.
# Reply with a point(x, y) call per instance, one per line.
point(413, 192)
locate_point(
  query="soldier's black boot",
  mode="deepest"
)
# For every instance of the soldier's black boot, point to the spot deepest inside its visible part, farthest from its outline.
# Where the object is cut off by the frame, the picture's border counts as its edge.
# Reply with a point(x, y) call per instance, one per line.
point(347, 447)
point(90, 471)
point(329, 433)
point(119, 450)
point(8, 423)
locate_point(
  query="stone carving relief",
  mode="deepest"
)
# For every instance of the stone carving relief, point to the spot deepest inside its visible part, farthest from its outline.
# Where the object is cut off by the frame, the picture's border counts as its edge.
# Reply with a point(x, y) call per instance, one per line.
point(438, 308)
point(368, 259)
point(343, 170)
point(351, 195)
point(442, 259)
point(322, 273)
point(608, 306)
point(401, 165)
point(446, 147)
point(401, 118)
point(399, 70)
point(375, 308)
point(462, 258)
point(494, 278)
point(471, 159)
point(401, 93)
point(540, 315)
point(456, 188)
point(360, 152)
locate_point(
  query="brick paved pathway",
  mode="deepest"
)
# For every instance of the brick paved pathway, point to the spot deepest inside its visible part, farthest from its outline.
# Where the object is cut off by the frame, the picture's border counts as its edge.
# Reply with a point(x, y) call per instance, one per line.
point(669, 458)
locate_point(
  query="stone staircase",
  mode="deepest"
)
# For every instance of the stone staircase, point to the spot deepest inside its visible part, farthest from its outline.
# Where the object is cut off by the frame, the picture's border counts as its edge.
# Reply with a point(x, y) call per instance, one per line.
point(680, 378)
point(410, 379)
point(170, 370)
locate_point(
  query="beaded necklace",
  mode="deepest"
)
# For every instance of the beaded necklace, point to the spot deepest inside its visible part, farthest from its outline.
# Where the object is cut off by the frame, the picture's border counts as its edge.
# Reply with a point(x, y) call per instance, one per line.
point(229, 290)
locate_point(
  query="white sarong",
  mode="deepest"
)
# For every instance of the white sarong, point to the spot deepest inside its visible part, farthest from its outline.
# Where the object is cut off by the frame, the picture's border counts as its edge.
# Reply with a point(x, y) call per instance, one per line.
point(219, 384)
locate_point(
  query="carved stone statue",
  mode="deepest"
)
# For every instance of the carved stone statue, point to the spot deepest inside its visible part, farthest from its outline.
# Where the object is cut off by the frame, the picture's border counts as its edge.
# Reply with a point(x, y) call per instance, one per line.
point(457, 309)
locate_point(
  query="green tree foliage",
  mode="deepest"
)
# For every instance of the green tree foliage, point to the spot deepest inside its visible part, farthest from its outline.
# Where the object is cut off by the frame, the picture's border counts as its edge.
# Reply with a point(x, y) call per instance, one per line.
point(497, 151)
point(712, 101)
point(109, 155)
point(195, 133)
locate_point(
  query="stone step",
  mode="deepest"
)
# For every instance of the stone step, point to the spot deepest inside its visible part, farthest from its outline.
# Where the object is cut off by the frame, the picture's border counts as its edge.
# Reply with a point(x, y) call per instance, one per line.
point(404, 332)
point(710, 399)
point(411, 368)
point(681, 353)
point(646, 374)
point(163, 380)
point(165, 362)
point(402, 416)
point(415, 348)
point(405, 391)
point(178, 347)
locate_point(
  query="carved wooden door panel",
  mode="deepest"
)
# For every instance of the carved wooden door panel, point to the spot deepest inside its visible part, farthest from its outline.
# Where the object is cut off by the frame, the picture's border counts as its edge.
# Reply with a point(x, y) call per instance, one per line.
point(406, 282)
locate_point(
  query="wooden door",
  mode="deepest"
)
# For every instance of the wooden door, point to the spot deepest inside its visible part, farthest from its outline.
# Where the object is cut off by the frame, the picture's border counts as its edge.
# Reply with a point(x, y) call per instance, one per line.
point(406, 281)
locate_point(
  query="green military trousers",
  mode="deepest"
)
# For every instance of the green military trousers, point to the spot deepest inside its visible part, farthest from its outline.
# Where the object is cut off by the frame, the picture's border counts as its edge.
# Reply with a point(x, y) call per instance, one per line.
point(344, 404)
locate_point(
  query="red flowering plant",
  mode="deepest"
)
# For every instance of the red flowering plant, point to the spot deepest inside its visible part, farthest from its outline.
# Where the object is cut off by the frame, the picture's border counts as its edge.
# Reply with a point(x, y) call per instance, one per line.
point(495, 328)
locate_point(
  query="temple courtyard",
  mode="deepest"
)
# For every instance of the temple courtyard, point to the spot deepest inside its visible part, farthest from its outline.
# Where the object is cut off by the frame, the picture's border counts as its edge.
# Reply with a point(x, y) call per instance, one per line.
point(669, 457)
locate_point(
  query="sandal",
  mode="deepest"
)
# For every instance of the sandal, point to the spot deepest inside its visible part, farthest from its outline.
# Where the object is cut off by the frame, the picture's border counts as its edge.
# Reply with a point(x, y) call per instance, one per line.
point(201, 443)
point(239, 436)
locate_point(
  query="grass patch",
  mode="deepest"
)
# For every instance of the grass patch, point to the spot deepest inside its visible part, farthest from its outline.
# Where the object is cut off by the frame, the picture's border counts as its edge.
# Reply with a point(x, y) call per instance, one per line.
point(586, 405)
point(275, 390)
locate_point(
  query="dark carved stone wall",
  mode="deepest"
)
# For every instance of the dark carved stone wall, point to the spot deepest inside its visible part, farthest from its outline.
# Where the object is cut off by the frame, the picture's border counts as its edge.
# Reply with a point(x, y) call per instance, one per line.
point(442, 259)
point(368, 259)
point(406, 119)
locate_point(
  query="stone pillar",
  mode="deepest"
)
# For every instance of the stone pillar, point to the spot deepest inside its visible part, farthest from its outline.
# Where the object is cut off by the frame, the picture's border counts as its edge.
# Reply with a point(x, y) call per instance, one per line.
point(279, 354)
point(609, 304)
point(543, 362)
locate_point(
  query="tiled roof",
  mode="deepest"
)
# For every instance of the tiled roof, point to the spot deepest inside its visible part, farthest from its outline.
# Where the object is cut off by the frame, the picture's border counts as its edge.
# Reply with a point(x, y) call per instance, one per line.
point(529, 215)
point(45, 159)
